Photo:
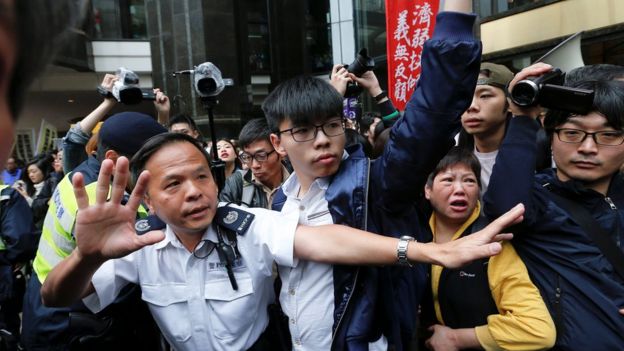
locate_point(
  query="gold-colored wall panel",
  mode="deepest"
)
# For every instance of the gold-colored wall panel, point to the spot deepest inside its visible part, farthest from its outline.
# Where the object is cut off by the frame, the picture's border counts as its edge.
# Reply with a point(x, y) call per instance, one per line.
point(548, 22)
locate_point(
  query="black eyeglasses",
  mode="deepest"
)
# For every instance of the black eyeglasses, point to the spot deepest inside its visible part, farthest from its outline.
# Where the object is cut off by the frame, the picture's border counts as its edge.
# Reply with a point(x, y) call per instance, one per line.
point(576, 136)
point(331, 128)
point(259, 156)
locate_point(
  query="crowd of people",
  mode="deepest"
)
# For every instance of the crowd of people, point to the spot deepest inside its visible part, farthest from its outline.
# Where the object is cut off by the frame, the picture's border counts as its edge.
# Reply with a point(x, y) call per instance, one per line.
point(464, 222)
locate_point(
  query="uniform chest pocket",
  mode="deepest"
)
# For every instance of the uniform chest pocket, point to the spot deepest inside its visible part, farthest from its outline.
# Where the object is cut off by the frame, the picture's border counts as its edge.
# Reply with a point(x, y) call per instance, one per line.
point(231, 311)
point(169, 306)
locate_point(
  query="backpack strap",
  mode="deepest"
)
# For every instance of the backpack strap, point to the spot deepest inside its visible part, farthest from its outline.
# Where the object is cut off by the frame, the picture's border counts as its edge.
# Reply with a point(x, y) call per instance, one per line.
point(599, 236)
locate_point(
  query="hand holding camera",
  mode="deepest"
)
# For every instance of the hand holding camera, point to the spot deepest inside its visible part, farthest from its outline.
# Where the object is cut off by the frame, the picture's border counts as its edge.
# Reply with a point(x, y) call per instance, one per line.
point(534, 70)
point(339, 78)
point(541, 84)
point(124, 87)
point(356, 69)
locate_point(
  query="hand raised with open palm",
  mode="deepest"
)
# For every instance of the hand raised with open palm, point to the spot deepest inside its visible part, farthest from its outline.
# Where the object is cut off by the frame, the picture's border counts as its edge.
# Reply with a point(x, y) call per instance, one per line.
point(105, 229)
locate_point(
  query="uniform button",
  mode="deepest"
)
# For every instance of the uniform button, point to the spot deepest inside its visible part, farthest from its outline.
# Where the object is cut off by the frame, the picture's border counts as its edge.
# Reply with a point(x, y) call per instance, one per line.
point(301, 208)
point(291, 291)
point(292, 320)
point(198, 328)
point(298, 342)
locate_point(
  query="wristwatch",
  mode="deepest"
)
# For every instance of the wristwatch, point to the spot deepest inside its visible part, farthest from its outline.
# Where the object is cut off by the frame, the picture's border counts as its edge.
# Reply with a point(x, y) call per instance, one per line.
point(402, 250)
point(381, 96)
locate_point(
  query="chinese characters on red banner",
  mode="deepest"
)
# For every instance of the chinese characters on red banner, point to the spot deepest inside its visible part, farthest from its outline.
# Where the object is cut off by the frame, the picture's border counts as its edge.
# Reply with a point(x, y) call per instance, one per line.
point(409, 23)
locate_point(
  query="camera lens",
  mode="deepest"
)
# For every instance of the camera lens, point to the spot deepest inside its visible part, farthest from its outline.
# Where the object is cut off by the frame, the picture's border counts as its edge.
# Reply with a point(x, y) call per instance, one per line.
point(206, 85)
point(525, 93)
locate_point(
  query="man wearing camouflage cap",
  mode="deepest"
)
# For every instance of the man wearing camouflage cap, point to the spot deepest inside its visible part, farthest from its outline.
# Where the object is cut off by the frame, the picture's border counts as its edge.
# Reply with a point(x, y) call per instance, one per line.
point(485, 121)
point(49, 328)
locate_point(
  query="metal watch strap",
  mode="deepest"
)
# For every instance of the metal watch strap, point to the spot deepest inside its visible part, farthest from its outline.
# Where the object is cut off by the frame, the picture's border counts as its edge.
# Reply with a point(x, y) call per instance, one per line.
point(402, 250)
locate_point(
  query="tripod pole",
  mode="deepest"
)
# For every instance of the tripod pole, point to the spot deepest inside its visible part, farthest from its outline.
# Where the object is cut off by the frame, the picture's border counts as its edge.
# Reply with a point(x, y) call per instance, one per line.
point(216, 165)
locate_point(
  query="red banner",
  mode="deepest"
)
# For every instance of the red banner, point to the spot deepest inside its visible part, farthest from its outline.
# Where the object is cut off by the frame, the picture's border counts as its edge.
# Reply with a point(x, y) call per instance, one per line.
point(409, 23)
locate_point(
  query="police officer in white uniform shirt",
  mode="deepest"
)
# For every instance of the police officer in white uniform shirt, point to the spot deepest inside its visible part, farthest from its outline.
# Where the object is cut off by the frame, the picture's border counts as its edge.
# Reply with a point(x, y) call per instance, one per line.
point(207, 277)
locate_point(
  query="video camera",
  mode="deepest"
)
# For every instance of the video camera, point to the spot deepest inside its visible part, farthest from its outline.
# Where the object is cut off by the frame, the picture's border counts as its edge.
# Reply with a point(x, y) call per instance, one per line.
point(207, 79)
point(126, 89)
point(360, 65)
point(548, 91)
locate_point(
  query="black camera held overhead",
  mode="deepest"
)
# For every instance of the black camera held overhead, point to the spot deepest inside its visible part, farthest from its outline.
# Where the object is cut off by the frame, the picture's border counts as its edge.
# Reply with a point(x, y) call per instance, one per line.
point(548, 91)
point(362, 64)
point(126, 88)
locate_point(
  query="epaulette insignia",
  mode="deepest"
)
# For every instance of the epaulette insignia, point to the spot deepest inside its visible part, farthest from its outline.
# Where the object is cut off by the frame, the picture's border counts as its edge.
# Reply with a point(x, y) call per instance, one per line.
point(234, 219)
point(149, 223)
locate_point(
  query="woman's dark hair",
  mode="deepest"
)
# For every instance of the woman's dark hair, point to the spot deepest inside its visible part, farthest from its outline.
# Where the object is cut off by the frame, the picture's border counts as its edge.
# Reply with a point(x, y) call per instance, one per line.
point(608, 101)
point(353, 138)
point(304, 100)
point(457, 155)
point(155, 143)
point(44, 163)
point(381, 140)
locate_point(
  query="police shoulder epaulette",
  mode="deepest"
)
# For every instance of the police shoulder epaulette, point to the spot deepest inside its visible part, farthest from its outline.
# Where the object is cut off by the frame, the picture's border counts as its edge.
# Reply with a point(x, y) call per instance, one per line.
point(149, 223)
point(234, 219)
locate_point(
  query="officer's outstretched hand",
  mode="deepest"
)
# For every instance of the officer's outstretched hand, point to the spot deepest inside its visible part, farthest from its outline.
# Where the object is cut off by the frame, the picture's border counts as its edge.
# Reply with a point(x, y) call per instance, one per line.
point(105, 229)
point(484, 243)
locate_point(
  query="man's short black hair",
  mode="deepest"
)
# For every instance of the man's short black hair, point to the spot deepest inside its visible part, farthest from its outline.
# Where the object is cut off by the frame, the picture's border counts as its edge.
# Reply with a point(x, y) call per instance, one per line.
point(603, 71)
point(183, 118)
point(304, 100)
point(255, 130)
point(155, 143)
point(608, 101)
point(457, 155)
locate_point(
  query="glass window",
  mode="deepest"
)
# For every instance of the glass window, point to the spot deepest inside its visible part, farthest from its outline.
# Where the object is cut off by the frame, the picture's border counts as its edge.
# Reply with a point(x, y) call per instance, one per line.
point(318, 36)
point(370, 24)
point(123, 19)
point(487, 8)
point(138, 25)
point(258, 37)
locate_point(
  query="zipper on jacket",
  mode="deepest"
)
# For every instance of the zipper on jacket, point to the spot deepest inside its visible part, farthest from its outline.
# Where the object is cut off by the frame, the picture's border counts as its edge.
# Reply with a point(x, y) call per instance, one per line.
point(559, 323)
point(610, 202)
point(366, 194)
point(357, 273)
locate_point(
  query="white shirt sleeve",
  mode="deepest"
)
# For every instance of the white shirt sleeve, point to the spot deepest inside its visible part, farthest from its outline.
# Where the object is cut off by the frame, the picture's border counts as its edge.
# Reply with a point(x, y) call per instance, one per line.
point(109, 279)
point(275, 231)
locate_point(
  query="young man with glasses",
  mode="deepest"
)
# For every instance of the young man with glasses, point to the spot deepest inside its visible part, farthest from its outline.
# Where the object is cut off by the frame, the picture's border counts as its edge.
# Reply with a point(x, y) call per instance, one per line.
point(256, 186)
point(338, 307)
point(578, 281)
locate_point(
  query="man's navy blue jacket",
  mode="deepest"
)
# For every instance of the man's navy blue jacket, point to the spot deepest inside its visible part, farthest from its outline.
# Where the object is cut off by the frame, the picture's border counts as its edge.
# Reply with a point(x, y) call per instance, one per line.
point(578, 284)
point(380, 196)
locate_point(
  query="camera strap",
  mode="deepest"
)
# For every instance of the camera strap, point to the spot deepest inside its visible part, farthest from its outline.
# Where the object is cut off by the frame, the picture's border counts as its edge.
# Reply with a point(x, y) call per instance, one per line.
point(228, 253)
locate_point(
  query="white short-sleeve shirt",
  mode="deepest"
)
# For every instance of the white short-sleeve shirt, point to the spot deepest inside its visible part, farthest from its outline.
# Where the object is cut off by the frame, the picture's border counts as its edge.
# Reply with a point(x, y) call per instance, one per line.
point(191, 298)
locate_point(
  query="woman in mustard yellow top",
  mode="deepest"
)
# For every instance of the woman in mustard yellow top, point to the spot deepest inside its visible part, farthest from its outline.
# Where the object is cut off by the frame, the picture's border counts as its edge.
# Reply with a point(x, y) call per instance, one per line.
point(489, 304)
